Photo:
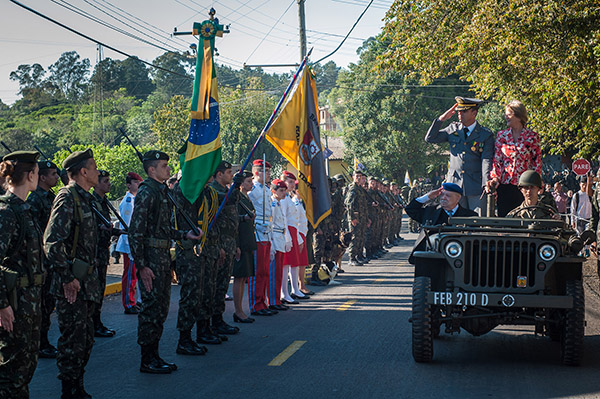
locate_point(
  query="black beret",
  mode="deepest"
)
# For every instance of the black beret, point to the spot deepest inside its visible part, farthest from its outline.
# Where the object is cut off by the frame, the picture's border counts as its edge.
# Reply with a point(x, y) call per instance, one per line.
point(43, 165)
point(223, 165)
point(246, 174)
point(76, 157)
point(155, 155)
point(103, 173)
point(22, 156)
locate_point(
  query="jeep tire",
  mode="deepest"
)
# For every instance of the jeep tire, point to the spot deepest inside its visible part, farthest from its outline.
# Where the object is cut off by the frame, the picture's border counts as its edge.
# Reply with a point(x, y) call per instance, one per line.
point(422, 335)
point(574, 325)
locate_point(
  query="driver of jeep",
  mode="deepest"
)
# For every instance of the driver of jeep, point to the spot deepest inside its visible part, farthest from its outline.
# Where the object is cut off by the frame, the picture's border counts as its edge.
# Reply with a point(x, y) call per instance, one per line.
point(530, 185)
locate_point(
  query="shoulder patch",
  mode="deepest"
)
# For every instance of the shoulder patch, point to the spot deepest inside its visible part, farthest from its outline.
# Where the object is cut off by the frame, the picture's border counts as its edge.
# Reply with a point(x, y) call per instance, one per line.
point(128, 199)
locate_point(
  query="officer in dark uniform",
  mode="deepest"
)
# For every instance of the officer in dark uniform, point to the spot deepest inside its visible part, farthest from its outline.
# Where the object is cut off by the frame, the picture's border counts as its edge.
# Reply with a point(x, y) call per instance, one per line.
point(70, 242)
point(40, 202)
point(103, 254)
point(150, 235)
point(21, 278)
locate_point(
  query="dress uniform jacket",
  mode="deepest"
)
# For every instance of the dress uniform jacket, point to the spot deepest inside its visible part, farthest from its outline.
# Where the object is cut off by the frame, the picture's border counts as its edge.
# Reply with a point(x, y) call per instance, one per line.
point(430, 215)
point(470, 157)
point(260, 195)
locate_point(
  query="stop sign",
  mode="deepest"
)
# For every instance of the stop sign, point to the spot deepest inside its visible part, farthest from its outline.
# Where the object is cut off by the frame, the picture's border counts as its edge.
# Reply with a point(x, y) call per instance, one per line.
point(581, 167)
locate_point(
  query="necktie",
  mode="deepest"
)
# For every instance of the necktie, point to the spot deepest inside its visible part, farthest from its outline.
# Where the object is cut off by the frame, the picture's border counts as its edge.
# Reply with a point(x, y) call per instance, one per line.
point(466, 130)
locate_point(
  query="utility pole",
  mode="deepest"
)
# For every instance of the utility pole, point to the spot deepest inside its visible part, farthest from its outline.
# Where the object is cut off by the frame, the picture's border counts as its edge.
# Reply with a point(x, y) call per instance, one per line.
point(302, 26)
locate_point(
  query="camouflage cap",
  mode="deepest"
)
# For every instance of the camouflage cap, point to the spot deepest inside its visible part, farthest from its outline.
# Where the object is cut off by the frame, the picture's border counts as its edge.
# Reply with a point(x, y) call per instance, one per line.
point(77, 157)
point(22, 156)
point(155, 155)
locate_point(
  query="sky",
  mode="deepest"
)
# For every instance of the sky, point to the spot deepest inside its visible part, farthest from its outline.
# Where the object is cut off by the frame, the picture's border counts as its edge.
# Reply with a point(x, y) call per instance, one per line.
point(262, 31)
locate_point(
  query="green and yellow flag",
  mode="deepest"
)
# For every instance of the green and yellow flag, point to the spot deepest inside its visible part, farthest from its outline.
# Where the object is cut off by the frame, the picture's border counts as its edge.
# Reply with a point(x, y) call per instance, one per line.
point(295, 133)
point(201, 153)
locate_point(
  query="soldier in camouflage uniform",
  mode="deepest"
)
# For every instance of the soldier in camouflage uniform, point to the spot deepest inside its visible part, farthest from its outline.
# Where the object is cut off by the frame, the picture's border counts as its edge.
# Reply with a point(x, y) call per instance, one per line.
point(150, 235)
point(190, 271)
point(103, 253)
point(356, 210)
point(21, 255)
point(70, 242)
point(530, 185)
point(40, 202)
point(323, 236)
point(371, 242)
point(228, 222)
point(210, 258)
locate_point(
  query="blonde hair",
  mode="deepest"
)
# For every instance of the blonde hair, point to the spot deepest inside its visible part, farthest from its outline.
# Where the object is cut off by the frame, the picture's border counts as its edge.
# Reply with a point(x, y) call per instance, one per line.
point(519, 110)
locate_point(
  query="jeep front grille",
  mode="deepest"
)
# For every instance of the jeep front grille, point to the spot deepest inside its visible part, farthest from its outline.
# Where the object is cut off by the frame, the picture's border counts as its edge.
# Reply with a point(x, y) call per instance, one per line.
point(494, 263)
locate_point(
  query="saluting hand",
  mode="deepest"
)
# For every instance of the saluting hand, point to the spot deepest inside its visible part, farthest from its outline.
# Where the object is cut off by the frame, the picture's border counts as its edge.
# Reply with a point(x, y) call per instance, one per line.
point(71, 289)
point(6, 318)
point(434, 194)
point(147, 275)
point(448, 114)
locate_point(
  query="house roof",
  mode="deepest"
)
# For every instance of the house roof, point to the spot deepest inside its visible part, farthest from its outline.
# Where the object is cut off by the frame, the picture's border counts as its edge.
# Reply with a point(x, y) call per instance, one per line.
point(336, 145)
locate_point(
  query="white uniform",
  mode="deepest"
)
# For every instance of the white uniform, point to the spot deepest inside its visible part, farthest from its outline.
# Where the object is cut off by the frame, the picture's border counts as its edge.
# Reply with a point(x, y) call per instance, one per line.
point(258, 195)
point(126, 210)
point(302, 220)
point(281, 235)
point(291, 214)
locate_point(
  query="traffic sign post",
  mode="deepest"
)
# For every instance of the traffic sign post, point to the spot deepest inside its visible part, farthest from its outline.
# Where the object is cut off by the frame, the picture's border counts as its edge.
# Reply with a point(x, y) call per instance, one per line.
point(581, 167)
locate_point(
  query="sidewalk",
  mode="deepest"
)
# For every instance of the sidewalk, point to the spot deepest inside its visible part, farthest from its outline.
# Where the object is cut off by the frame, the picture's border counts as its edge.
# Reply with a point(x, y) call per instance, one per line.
point(113, 277)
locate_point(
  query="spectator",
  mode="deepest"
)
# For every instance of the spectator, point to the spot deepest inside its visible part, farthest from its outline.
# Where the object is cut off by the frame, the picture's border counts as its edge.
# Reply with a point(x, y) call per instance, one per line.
point(517, 149)
point(581, 206)
point(560, 198)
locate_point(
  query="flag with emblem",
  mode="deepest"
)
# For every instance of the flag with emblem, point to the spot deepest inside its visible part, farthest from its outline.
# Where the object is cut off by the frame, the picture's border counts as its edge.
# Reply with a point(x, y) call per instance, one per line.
point(358, 165)
point(295, 134)
point(201, 154)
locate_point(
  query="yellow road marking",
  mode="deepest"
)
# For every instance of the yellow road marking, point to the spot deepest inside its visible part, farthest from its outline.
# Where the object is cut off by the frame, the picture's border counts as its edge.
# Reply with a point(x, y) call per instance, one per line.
point(287, 353)
point(346, 305)
point(379, 280)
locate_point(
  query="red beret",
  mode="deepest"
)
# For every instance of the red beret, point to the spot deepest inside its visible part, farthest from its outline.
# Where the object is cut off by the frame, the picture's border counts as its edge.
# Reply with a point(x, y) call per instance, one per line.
point(133, 175)
point(288, 175)
point(278, 183)
point(260, 163)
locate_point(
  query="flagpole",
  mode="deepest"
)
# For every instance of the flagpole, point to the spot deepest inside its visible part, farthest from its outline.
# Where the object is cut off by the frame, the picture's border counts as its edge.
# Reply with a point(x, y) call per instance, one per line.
point(262, 133)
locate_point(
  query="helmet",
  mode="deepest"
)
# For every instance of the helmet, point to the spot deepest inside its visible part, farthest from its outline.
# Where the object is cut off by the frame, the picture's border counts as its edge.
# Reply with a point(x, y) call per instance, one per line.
point(531, 178)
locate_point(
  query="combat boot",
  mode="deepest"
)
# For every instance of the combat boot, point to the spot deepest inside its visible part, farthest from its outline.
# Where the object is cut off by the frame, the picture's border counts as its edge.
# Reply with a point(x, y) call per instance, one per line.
point(150, 364)
point(69, 390)
point(220, 327)
point(80, 390)
point(171, 366)
point(186, 346)
point(204, 335)
point(354, 262)
point(47, 351)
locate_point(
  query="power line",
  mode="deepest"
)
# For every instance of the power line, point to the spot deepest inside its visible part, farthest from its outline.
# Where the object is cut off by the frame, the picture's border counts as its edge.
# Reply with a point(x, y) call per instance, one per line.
point(350, 31)
point(270, 30)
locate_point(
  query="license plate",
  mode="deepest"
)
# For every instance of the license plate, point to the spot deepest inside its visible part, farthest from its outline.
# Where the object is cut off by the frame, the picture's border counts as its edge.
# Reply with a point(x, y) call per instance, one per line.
point(460, 298)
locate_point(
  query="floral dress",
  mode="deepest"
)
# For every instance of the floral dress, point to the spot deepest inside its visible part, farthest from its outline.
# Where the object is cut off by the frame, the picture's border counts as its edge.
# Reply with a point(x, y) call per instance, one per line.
point(512, 158)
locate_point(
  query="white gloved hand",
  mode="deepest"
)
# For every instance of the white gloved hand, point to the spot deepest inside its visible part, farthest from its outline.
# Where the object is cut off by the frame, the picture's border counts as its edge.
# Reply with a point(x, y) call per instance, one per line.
point(300, 239)
point(288, 246)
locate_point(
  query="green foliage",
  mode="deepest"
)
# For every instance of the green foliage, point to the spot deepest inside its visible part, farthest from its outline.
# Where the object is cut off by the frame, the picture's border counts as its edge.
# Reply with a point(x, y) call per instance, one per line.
point(171, 125)
point(117, 160)
point(385, 117)
point(544, 53)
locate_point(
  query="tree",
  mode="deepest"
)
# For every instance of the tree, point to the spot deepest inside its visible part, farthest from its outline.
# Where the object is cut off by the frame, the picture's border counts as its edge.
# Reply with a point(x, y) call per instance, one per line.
point(171, 126)
point(180, 83)
point(545, 53)
point(69, 74)
point(385, 117)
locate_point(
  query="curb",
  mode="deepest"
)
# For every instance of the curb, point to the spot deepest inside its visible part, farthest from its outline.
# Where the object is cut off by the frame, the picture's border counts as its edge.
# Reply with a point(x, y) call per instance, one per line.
point(112, 288)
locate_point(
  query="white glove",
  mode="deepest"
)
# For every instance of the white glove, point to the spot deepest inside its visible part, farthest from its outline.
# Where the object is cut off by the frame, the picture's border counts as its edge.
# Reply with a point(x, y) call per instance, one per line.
point(272, 252)
point(288, 246)
point(300, 239)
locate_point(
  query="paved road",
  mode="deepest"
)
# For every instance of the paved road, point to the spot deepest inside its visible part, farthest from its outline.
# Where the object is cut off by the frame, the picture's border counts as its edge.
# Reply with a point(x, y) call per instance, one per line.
point(354, 342)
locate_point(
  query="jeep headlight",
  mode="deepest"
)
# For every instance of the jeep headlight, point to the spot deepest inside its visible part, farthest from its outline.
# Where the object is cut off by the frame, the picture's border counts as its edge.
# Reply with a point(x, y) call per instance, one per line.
point(453, 249)
point(547, 252)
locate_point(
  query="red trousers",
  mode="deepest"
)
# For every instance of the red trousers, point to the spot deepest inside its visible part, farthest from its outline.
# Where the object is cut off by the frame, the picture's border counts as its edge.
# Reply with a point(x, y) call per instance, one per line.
point(257, 285)
point(128, 282)
point(275, 277)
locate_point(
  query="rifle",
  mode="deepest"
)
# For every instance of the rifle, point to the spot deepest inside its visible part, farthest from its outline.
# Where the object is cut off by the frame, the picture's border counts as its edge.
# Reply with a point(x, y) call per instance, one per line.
point(105, 221)
point(5, 146)
point(169, 196)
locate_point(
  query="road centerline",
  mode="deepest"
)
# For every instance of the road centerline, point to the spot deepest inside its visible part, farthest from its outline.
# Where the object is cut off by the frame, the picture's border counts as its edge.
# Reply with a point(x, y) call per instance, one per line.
point(346, 305)
point(287, 353)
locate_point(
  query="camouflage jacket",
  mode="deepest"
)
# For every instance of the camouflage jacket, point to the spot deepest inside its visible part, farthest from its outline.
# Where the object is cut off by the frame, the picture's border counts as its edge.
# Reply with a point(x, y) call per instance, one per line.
point(356, 203)
point(541, 211)
point(337, 210)
point(104, 236)
point(150, 229)
point(20, 241)
point(41, 206)
point(59, 239)
point(228, 220)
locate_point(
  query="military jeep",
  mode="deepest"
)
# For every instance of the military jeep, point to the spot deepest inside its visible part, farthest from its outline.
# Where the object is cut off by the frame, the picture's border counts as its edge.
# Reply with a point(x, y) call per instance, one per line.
point(479, 273)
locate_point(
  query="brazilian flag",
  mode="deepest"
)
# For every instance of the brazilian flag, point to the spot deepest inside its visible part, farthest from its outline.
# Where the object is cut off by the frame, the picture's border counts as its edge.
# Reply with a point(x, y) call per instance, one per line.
point(201, 153)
